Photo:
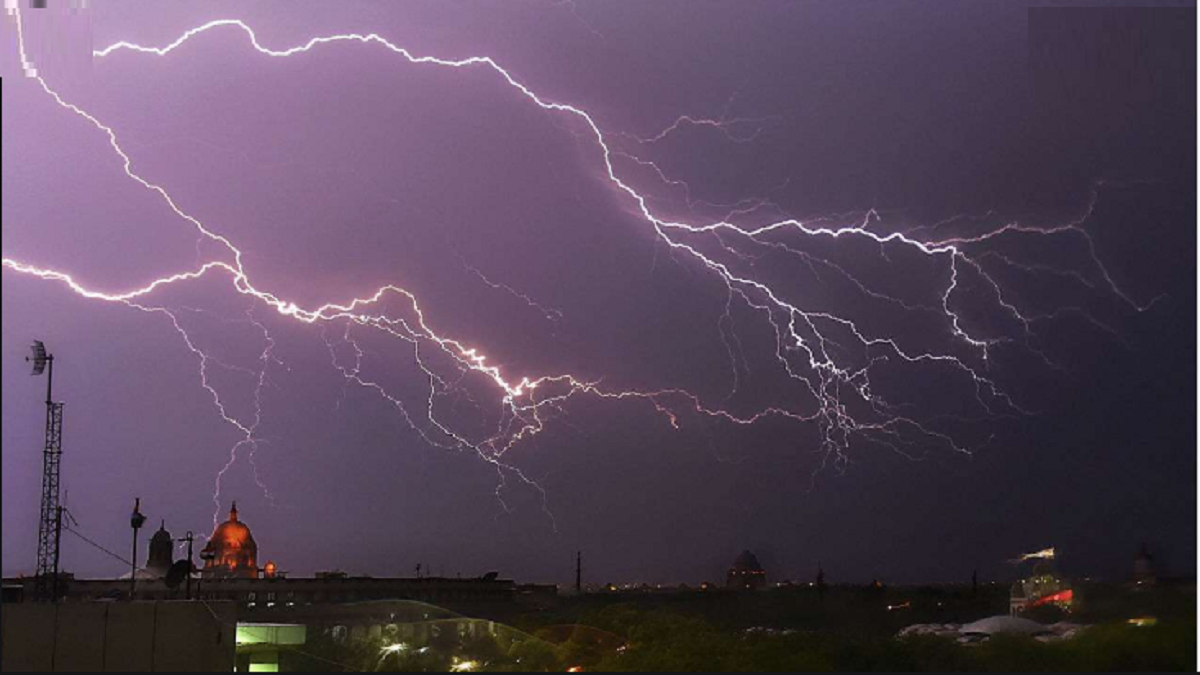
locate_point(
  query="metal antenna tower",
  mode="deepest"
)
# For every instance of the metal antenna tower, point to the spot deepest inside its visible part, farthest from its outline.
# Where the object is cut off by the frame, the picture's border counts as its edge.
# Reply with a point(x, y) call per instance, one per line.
point(51, 515)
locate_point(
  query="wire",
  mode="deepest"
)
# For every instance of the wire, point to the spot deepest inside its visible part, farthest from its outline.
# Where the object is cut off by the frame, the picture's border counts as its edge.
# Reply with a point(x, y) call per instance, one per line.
point(101, 548)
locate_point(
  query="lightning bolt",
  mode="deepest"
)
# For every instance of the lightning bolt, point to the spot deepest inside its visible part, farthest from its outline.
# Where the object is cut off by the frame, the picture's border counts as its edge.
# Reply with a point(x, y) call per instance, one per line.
point(552, 315)
point(732, 128)
point(826, 356)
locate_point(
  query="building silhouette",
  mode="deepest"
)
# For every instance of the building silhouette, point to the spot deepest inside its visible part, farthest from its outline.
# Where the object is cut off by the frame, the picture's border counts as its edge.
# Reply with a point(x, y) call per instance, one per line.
point(161, 550)
point(746, 574)
point(231, 573)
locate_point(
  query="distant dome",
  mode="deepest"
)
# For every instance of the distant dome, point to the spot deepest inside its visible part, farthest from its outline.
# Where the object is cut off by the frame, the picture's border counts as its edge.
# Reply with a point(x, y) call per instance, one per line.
point(231, 550)
point(747, 562)
point(746, 574)
point(161, 536)
point(162, 548)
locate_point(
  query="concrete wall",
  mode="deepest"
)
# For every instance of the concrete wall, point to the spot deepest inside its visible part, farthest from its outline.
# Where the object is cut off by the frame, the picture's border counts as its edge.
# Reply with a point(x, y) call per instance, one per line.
point(119, 637)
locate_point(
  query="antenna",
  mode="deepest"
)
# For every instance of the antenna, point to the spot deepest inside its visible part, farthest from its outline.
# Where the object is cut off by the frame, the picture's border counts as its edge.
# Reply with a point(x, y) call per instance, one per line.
point(51, 514)
point(39, 358)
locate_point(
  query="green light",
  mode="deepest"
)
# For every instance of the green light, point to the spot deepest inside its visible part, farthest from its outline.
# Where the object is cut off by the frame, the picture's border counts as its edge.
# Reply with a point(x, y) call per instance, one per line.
point(270, 634)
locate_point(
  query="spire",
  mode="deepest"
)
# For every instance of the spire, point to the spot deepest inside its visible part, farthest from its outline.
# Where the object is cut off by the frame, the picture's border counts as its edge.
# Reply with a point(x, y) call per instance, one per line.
point(233, 512)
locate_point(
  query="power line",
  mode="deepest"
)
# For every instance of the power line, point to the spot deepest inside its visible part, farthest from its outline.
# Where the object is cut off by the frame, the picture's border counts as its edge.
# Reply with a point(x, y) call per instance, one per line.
point(99, 547)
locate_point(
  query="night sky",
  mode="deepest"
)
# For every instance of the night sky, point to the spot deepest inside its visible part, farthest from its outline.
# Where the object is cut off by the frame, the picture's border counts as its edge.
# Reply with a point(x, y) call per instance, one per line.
point(1052, 148)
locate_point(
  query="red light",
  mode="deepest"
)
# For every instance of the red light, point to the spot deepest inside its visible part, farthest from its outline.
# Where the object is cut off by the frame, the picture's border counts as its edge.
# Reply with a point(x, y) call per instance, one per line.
point(1061, 596)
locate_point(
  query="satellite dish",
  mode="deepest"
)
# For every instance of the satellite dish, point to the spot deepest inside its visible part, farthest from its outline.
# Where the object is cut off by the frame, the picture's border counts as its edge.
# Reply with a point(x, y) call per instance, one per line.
point(178, 573)
point(39, 357)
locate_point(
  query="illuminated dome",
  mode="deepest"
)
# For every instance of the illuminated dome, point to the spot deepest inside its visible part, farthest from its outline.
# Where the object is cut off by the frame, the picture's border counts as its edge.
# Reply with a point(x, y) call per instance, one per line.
point(231, 551)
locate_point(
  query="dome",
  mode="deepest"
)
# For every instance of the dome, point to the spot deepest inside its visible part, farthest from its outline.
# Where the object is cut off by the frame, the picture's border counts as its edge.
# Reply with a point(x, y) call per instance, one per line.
point(161, 536)
point(162, 549)
point(746, 573)
point(231, 550)
point(233, 533)
point(747, 561)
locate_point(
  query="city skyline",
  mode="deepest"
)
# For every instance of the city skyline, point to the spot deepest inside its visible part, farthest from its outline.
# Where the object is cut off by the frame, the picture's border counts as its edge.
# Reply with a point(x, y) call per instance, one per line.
point(430, 292)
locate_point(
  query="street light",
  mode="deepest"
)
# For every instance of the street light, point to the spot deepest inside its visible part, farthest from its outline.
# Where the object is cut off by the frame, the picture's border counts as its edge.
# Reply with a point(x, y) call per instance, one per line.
point(136, 520)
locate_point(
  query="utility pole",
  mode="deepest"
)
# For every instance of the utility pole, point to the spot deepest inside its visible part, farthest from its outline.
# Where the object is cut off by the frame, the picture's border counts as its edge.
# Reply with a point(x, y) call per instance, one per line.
point(136, 520)
point(579, 573)
point(49, 523)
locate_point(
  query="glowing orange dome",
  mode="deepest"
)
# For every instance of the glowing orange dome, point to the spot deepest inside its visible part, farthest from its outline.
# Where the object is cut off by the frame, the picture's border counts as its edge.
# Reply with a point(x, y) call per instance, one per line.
point(231, 551)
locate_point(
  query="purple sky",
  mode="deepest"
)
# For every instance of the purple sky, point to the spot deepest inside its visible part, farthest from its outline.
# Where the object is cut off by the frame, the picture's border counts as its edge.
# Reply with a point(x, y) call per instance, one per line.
point(345, 168)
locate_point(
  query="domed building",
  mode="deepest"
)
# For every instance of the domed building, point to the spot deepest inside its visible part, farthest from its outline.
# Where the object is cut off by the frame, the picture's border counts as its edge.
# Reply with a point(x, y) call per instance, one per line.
point(231, 550)
point(162, 549)
point(1044, 587)
point(746, 574)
